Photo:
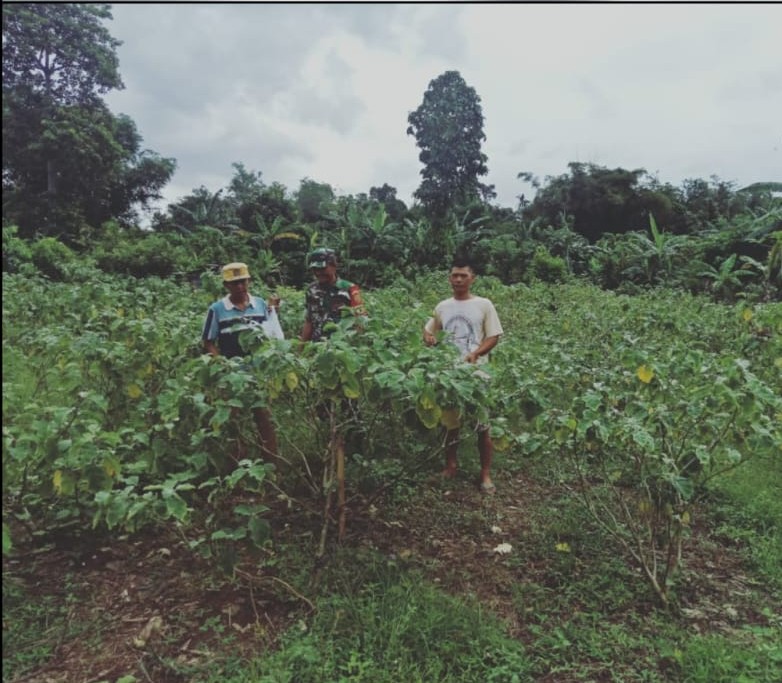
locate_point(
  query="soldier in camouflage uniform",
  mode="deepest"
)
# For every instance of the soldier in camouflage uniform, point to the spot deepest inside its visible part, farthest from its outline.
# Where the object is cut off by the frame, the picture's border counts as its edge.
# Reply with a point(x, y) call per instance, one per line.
point(327, 296)
point(326, 301)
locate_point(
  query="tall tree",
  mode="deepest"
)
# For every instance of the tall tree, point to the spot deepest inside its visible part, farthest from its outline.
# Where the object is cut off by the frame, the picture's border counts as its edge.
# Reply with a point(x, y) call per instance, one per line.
point(66, 158)
point(448, 128)
point(61, 50)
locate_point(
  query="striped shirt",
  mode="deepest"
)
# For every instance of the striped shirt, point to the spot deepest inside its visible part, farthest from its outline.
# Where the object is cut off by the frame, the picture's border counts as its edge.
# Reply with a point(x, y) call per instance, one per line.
point(224, 322)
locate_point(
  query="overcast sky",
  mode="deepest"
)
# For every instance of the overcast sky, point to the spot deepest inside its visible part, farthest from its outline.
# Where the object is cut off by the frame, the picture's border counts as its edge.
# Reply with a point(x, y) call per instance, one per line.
point(323, 91)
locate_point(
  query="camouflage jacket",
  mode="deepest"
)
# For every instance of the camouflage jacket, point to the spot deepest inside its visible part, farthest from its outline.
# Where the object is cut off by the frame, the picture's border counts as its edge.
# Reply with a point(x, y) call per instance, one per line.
point(324, 304)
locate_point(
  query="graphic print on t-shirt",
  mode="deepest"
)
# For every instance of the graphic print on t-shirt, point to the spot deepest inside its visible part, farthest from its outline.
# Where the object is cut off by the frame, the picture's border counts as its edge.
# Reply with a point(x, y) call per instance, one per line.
point(461, 333)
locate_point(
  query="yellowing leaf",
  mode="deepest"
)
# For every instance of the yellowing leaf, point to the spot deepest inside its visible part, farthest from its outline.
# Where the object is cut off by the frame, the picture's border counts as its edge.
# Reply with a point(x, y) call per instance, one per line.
point(746, 315)
point(275, 387)
point(134, 391)
point(501, 444)
point(685, 518)
point(111, 467)
point(426, 402)
point(450, 418)
point(350, 392)
point(430, 417)
point(291, 380)
point(645, 374)
point(562, 547)
point(120, 312)
point(64, 483)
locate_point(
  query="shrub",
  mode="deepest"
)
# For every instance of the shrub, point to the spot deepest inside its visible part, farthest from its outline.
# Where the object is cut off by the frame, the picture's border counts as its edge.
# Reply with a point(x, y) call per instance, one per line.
point(52, 258)
point(16, 251)
point(547, 268)
point(141, 256)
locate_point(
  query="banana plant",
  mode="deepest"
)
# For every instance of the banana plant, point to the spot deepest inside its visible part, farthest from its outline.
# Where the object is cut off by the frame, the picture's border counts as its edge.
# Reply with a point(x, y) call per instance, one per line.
point(657, 253)
point(724, 280)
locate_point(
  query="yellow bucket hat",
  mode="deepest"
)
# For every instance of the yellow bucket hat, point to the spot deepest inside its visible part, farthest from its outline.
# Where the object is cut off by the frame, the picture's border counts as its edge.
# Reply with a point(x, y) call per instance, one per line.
point(235, 271)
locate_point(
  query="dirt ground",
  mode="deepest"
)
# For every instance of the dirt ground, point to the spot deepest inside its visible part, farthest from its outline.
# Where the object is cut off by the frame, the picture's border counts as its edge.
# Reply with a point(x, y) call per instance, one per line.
point(147, 605)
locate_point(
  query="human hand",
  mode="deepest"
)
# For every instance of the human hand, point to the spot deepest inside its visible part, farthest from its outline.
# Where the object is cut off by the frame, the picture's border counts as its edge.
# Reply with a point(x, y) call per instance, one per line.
point(274, 302)
point(429, 338)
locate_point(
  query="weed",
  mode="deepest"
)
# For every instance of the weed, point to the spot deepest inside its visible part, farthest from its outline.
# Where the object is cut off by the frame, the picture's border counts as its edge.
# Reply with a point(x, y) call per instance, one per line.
point(385, 625)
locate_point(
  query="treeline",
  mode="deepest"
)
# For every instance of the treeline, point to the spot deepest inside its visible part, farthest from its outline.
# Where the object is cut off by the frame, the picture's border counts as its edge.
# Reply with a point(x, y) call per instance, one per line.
point(75, 177)
point(704, 236)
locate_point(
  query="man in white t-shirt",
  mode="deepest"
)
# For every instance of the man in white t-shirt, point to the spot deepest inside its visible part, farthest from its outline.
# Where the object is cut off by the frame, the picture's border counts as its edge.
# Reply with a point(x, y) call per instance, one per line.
point(472, 325)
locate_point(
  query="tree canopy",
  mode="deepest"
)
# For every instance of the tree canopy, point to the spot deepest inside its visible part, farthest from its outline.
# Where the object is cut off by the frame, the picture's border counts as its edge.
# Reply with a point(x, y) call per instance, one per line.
point(67, 160)
point(448, 128)
point(60, 50)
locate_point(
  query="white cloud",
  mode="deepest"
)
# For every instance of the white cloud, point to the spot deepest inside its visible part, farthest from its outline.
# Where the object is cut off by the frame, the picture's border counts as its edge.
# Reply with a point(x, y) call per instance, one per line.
point(324, 91)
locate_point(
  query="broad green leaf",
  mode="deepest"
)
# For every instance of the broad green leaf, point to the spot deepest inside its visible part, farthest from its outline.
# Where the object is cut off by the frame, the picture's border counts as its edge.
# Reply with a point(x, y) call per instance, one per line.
point(644, 439)
point(350, 386)
point(684, 486)
point(175, 506)
point(260, 531)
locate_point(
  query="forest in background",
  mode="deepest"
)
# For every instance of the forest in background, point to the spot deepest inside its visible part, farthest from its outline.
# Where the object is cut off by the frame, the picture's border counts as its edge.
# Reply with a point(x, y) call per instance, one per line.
point(76, 180)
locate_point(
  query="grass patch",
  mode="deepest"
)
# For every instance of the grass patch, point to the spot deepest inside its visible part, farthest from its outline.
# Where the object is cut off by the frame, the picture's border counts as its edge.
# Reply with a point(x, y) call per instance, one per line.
point(752, 655)
point(383, 624)
point(33, 627)
point(748, 511)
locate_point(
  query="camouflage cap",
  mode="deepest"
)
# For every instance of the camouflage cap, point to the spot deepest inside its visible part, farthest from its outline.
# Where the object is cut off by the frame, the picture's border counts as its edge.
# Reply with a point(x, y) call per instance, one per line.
point(320, 258)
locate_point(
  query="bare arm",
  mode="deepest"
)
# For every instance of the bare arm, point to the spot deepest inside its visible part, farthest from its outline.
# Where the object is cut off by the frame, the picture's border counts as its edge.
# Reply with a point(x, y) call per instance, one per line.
point(430, 329)
point(486, 345)
point(211, 347)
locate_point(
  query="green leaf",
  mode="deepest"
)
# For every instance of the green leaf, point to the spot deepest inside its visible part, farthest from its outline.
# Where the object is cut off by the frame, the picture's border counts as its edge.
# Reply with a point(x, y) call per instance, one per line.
point(7, 545)
point(350, 385)
point(175, 506)
point(260, 531)
point(430, 417)
point(683, 486)
point(734, 457)
point(644, 439)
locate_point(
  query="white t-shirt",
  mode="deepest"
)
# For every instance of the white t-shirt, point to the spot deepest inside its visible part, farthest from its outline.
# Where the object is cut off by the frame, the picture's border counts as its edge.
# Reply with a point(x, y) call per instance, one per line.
point(467, 322)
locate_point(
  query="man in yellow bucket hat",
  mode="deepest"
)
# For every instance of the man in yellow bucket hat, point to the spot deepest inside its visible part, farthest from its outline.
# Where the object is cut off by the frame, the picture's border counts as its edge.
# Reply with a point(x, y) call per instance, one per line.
point(225, 319)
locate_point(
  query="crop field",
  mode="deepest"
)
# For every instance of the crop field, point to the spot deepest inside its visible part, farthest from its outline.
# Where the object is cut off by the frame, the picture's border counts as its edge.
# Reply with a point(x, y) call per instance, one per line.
point(636, 533)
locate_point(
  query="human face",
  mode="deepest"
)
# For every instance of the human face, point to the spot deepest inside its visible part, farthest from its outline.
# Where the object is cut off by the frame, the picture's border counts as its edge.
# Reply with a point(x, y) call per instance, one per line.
point(237, 290)
point(326, 275)
point(461, 280)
